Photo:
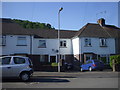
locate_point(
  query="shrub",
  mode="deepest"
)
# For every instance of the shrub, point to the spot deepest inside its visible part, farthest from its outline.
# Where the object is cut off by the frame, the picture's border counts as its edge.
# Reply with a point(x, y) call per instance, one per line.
point(116, 58)
point(54, 64)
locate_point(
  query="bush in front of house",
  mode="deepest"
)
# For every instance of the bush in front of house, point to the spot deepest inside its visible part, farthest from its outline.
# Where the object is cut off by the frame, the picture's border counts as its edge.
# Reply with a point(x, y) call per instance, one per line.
point(116, 58)
point(54, 64)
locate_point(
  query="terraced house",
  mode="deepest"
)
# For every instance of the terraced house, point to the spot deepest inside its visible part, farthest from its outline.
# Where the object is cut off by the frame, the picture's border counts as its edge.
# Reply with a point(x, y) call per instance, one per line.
point(97, 41)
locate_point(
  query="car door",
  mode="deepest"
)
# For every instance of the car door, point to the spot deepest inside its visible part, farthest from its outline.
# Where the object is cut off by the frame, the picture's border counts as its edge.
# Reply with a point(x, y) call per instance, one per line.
point(84, 66)
point(87, 64)
point(19, 65)
point(6, 66)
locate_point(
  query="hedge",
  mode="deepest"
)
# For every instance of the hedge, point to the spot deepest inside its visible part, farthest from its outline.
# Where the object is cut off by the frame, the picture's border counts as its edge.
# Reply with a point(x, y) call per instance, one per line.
point(54, 64)
point(116, 58)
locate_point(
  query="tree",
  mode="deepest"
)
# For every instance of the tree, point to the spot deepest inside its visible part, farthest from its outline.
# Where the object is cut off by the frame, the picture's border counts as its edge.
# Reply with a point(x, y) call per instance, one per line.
point(48, 26)
point(33, 25)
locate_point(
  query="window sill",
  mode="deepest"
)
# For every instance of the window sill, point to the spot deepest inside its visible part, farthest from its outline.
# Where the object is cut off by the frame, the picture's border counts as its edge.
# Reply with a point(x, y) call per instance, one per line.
point(103, 46)
point(41, 47)
point(63, 47)
point(2, 45)
point(21, 45)
point(88, 46)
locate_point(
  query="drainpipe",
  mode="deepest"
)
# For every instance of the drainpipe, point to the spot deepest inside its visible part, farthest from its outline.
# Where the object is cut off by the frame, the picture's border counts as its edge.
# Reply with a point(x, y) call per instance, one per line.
point(30, 44)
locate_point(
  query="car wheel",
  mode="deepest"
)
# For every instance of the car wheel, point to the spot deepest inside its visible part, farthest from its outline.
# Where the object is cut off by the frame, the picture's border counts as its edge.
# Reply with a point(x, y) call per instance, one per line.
point(25, 76)
point(90, 69)
point(81, 69)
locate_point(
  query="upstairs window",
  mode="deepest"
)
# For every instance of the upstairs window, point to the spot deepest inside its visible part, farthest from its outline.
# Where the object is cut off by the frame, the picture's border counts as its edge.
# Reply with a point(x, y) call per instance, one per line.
point(21, 41)
point(42, 44)
point(2, 40)
point(87, 42)
point(103, 42)
point(63, 43)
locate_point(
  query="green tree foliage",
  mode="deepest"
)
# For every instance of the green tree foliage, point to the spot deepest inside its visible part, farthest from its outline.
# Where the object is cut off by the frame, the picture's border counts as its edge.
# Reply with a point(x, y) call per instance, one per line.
point(116, 58)
point(33, 25)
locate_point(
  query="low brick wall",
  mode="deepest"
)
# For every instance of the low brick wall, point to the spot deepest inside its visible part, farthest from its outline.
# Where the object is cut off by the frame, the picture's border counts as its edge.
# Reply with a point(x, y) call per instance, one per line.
point(49, 68)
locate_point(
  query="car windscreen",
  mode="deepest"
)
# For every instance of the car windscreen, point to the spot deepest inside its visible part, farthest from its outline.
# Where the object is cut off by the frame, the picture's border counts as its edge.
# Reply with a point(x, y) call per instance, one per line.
point(5, 60)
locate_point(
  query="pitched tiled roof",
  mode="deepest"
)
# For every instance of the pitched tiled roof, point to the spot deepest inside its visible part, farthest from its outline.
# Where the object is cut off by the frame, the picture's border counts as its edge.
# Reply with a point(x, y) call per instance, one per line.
point(89, 30)
point(16, 29)
point(95, 30)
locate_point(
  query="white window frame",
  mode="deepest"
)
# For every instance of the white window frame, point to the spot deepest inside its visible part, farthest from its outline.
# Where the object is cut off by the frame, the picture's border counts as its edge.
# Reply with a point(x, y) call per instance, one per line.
point(87, 42)
point(103, 42)
point(53, 55)
point(3, 40)
point(63, 43)
point(62, 56)
point(21, 41)
point(42, 41)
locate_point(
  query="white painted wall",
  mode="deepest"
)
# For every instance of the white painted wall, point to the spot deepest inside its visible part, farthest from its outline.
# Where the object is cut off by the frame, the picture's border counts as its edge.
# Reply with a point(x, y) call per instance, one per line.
point(76, 46)
point(95, 48)
point(50, 45)
point(11, 48)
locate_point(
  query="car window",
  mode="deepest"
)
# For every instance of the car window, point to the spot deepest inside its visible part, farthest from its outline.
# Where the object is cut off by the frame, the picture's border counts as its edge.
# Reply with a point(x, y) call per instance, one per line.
point(5, 60)
point(88, 62)
point(19, 60)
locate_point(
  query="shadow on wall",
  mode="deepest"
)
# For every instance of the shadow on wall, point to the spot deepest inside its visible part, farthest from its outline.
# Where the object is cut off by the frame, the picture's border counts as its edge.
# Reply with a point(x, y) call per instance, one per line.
point(76, 64)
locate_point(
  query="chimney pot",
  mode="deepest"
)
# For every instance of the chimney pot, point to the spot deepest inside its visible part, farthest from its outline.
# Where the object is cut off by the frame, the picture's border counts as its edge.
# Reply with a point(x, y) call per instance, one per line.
point(101, 21)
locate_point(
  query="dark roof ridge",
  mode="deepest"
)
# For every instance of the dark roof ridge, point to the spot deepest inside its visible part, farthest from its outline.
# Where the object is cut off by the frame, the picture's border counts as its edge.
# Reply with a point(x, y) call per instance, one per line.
point(81, 30)
point(69, 30)
point(93, 23)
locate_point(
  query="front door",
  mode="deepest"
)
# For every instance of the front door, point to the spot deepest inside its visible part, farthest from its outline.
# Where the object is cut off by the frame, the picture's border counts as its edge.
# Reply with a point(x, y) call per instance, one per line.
point(52, 59)
point(87, 57)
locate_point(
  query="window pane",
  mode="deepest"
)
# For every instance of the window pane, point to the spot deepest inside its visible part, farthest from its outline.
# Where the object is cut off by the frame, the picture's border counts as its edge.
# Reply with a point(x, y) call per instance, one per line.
point(102, 42)
point(21, 41)
point(63, 43)
point(62, 56)
point(5, 60)
point(18, 60)
point(87, 42)
point(42, 44)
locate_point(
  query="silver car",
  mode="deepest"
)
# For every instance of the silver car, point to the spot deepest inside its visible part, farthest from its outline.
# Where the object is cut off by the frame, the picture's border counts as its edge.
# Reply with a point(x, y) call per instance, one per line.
point(16, 66)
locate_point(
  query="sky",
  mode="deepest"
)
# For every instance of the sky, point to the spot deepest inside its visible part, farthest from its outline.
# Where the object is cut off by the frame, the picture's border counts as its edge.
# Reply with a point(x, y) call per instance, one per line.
point(73, 16)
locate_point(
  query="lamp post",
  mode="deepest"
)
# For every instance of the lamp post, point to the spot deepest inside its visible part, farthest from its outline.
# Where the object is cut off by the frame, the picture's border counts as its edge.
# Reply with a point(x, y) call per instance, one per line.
point(59, 39)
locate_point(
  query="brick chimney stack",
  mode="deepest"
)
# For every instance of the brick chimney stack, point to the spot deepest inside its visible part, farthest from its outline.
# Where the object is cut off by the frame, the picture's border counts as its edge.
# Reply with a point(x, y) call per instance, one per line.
point(101, 22)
